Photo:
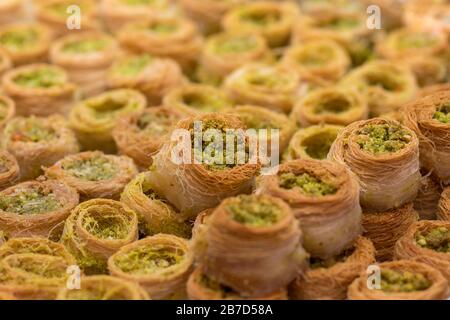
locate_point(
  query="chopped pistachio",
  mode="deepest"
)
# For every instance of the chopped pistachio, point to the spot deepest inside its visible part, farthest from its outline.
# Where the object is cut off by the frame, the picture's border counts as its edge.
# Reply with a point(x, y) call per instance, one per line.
point(315, 56)
point(32, 130)
point(40, 78)
point(17, 40)
point(98, 168)
point(396, 281)
point(148, 260)
point(132, 66)
point(29, 201)
point(155, 124)
point(260, 18)
point(209, 159)
point(443, 114)
point(254, 211)
point(237, 44)
point(270, 80)
point(385, 81)
point(383, 138)
point(85, 46)
point(210, 101)
point(437, 239)
point(306, 183)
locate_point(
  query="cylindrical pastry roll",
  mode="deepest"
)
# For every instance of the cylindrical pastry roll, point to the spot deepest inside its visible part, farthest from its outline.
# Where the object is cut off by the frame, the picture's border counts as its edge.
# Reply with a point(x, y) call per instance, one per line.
point(225, 52)
point(152, 76)
point(387, 85)
point(272, 19)
point(401, 280)
point(324, 197)
point(196, 99)
point(167, 37)
point(428, 242)
point(94, 119)
point(86, 57)
point(429, 118)
point(155, 213)
point(96, 229)
point(35, 209)
point(384, 155)
point(252, 243)
point(322, 58)
point(142, 134)
point(161, 264)
point(270, 86)
point(201, 179)
point(39, 89)
point(333, 105)
point(25, 43)
point(38, 142)
point(313, 142)
point(94, 174)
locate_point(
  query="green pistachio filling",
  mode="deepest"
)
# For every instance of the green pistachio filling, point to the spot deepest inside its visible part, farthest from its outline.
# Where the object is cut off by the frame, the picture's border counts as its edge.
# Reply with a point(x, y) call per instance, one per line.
point(155, 124)
point(252, 121)
point(270, 80)
point(260, 18)
point(314, 56)
point(437, 239)
point(144, 260)
point(30, 201)
point(340, 23)
point(416, 41)
point(106, 226)
point(237, 44)
point(85, 46)
point(43, 78)
point(254, 211)
point(317, 263)
point(318, 146)
point(396, 281)
point(205, 101)
point(383, 138)
point(31, 130)
point(443, 114)
point(107, 107)
point(16, 40)
point(97, 168)
point(307, 184)
point(385, 81)
point(211, 160)
point(163, 27)
point(132, 66)
point(332, 105)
